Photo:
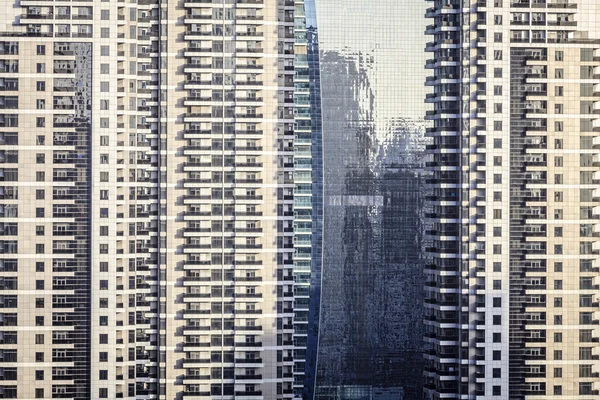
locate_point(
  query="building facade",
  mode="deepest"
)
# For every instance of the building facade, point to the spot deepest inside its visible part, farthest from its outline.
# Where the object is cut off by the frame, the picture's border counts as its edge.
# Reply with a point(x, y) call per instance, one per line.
point(369, 65)
point(147, 200)
point(512, 291)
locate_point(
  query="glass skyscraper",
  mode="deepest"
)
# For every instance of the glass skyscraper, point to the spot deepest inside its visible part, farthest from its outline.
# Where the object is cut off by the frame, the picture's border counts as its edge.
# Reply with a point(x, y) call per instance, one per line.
point(372, 148)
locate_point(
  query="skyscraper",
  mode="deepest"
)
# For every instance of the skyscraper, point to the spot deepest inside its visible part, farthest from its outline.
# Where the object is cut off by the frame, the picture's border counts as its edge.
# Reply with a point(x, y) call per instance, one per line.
point(512, 290)
point(147, 208)
point(366, 61)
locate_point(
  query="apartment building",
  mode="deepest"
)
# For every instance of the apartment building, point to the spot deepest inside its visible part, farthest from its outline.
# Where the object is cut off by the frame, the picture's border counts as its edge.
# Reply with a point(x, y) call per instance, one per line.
point(513, 291)
point(147, 199)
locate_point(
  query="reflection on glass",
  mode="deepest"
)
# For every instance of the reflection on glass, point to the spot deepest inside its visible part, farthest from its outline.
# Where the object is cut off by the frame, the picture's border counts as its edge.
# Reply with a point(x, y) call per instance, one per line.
point(372, 102)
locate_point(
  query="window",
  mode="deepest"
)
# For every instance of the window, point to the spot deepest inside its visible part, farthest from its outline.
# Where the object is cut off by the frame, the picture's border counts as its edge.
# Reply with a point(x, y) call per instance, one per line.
point(40, 104)
point(497, 143)
point(585, 388)
point(104, 141)
point(558, 267)
point(559, 126)
point(496, 390)
point(497, 196)
point(497, 302)
point(585, 335)
point(105, 33)
point(103, 284)
point(39, 375)
point(558, 337)
point(497, 125)
point(559, 56)
point(39, 267)
point(103, 320)
point(585, 371)
point(497, 108)
point(40, 176)
point(497, 320)
point(558, 354)
point(497, 55)
point(498, 37)
point(585, 353)
point(39, 302)
point(40, 49)
point(104, 302)
point(558, 143)
point(558, 213)
point(39, 357)
point(497, 355)
point(497, 284)
point(40, 194)
point(497, 213)
point(558, 161)
point(39, 230)
point(497, 19)
point(496, 373)
point(558, 302)
point(497, 231)
point(39, 392)
point(497, 249)
point(558, 73)
point(103, 356)
point(105, 15)
point(559, 90)
point(103, 374)
point(586, 55)
point(39, 338)
point(39, 321)
point(558, 231)
point(39, 248)
point(496, 337)
point(104, 213)
point(40, 86)
point(585, 300)
point(558, 372)
point(558, 284)
point(104, 51)
point(557, 390)
point(498, 90)
point(497, 72)
point(497, 267)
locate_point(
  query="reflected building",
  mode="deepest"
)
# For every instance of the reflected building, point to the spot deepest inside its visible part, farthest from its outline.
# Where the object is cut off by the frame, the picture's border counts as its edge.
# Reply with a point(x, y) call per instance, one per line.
point(368, 77)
